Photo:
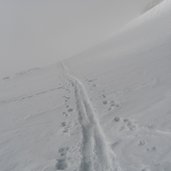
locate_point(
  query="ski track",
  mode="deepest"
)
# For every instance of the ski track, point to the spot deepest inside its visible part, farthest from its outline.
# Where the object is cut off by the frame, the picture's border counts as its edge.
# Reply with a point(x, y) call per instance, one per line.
point(96, 152)
point(21, 98)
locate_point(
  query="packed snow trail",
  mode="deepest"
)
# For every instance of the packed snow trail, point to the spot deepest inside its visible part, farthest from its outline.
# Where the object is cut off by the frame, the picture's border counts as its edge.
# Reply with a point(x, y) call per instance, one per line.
point(96, 152)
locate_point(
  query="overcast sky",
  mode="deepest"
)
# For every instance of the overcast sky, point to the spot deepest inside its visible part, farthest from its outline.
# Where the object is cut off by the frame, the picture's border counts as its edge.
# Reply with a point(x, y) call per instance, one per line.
point(35, 33)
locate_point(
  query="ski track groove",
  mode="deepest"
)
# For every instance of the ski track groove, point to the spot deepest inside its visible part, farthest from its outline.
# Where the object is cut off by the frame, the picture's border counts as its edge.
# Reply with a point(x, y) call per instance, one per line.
point(95, 150)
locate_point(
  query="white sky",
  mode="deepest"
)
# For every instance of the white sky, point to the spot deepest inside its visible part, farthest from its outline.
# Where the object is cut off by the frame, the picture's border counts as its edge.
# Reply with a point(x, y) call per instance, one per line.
point(35, 33)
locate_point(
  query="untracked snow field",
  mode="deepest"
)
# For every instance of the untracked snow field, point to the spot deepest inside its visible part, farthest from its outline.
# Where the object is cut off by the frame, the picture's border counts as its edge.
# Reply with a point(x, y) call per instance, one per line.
point(105, 109)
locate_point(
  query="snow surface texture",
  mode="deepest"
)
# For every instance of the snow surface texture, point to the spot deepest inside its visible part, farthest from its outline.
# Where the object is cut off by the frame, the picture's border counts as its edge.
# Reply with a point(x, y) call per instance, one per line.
point(109, 111)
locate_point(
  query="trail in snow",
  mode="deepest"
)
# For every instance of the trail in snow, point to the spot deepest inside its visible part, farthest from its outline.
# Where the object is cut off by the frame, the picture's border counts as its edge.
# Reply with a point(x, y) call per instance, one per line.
point(28, 96)
point(96, 152)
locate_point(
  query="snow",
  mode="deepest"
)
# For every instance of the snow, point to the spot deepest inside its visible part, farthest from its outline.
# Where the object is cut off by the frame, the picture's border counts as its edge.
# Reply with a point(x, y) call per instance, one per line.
point(36, 33)
point(108, 111)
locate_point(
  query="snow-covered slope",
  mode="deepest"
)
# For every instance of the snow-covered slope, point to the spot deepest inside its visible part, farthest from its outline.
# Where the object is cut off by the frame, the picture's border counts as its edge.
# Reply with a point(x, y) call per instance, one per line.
point(38, 33)
point(109, 110)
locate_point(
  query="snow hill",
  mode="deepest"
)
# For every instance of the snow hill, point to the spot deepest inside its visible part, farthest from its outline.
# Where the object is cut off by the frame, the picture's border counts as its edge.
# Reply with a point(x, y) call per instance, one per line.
point(105, 109)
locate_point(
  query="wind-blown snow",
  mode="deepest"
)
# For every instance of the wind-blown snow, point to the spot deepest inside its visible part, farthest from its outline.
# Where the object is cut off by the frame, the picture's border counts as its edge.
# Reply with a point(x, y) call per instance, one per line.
point(110, 111)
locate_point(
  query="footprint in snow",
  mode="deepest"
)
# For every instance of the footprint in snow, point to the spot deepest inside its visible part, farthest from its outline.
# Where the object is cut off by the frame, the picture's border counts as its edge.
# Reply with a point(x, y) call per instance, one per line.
point(63, 151)
point(65, 114)
point(61, 164)
point(63, 124)
point(141, 143)
point(105, 102)
point(125, 124)
point(103, 95)
point(113, 105)
point(70, 110)
point(117, 119)
point(110, 103)
point(62, 161)
point(67, 106)
point(67, 127)
point(151, 149)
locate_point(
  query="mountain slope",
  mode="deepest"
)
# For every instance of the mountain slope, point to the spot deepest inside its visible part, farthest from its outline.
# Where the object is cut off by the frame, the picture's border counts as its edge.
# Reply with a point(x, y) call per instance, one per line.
point(113, 115)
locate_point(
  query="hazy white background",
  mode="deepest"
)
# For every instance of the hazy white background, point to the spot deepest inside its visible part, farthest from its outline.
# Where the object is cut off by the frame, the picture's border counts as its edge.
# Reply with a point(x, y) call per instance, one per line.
point(40, 32)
